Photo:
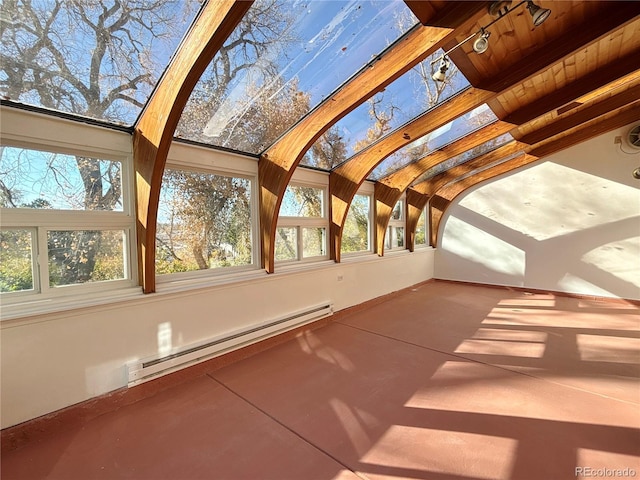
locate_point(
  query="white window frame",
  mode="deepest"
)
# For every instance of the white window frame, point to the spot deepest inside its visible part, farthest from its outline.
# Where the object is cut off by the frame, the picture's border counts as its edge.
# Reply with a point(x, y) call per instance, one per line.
point(47, 133)
point(394, 225)
point(366, 190)
point(320, 181)
point(426, 230)
point(194, 158)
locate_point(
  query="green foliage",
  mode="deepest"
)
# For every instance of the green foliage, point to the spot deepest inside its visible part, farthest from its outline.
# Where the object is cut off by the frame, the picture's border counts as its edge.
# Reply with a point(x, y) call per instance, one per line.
point(15, 261)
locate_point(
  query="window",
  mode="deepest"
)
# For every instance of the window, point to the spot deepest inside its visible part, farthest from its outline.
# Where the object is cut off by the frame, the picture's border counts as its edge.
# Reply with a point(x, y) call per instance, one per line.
point(204, 222)
point(356, 233)
point(394, 238)
point(421, 230)
point(302, 224)
point(65, 222)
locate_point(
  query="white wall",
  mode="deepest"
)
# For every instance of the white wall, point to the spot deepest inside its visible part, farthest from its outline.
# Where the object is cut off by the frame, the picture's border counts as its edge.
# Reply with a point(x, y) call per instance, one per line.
point(53, 360)
point(568, 223)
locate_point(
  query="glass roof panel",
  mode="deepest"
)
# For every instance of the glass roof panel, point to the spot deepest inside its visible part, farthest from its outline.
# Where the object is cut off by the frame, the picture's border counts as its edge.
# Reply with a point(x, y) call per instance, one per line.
point(284, 58)
point(435, 140)
point(407, 98)
point(467, 156)
point(99, 59)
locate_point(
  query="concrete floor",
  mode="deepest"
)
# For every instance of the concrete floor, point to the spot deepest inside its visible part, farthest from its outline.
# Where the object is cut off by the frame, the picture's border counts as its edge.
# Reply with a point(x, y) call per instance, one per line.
point(444, 381)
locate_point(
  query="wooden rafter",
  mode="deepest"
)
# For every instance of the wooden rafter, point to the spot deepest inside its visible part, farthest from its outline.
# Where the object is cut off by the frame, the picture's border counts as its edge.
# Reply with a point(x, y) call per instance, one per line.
point(389, 189)
point(445, 195)
point(155, 128)
point(526, 68)
point(276, 165)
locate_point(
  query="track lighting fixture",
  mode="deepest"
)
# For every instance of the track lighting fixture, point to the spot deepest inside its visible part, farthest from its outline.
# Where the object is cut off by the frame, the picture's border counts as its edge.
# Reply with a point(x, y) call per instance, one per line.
point(498, 9)
point(481, 43)
point(538, 14)
point(440, 74)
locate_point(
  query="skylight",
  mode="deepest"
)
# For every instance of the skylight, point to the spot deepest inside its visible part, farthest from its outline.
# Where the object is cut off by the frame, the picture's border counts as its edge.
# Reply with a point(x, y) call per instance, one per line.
point(423, 146)
point(467, 156)
point(407, 98)
point(282, 60)
point(87, 59)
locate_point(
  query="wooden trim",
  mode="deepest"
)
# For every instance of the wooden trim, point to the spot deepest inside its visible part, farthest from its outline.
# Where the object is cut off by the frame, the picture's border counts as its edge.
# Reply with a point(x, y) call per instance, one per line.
point(345, 180)
point(276, 165)
point(575, 90)
point(443, 198)
point(629, 97)
point(553, 52)
point(385, 199)
point(154, 131)
point(416, 202)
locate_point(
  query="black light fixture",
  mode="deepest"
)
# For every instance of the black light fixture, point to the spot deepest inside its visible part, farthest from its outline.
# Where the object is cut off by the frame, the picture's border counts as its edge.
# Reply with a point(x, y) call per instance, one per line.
point(498, 9)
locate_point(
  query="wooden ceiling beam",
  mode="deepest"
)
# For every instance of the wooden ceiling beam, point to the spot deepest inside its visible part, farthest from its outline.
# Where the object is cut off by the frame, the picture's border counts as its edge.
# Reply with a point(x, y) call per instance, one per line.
point(154, 130)
point(444, 196)
point(555, 51)
point(573, 91)
point(389, 189)
point(276, 165)
point(345, 180)
point(449, 14)
point(416, 202)
point(582, 115)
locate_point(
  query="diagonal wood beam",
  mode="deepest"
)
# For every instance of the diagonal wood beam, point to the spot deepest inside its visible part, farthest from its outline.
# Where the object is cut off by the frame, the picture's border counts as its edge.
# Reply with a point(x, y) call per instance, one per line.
point(276, 165)
point(573, 91)
point(603, 76)
point(389, 189)
point(154, 130)
point(445, 195)
point(416, 202)
point(347, 178)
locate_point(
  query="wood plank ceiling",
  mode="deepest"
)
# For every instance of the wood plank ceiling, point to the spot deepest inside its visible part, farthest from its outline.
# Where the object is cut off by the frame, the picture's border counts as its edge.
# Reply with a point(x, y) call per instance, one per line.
point(552, 86)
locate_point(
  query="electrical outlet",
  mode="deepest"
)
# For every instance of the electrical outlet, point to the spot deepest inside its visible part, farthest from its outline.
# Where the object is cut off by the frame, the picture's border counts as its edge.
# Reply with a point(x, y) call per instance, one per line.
point(617, 140)
point(340, 278)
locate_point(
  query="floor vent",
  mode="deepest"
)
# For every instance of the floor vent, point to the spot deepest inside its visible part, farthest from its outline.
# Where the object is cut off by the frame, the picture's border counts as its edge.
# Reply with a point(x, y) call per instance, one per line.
point(145, 369)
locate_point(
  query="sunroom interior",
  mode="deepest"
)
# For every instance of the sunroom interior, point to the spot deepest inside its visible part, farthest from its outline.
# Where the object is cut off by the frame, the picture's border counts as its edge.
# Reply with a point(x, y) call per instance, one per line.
point(192, 185)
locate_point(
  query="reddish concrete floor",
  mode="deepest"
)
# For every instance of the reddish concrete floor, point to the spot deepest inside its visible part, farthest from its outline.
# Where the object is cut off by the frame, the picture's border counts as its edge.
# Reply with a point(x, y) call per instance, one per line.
point(445, 381)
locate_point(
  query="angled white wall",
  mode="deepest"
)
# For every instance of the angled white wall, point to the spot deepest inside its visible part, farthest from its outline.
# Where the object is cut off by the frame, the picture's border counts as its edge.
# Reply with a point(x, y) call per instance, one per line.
point(567, 223)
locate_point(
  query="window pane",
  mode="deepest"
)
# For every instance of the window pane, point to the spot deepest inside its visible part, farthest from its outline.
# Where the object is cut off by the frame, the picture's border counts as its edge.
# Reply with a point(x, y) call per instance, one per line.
point(421, 230)
point(286, 243)
point(355, 233)
point(282, 60)
point(16, 265)
point(204, 221)
point(399, 236)
point(302, 202)
point(397, 211)
point(387, 238)
point(82, 256)
point(313, 242)
point(95, 58)
point(37, 179)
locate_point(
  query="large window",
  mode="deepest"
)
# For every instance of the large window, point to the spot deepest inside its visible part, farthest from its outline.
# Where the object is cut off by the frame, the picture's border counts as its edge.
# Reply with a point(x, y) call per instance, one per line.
point(356, 233)
point(422, 232)
point(204, 222)
point(302, 224)
point(394, 239)
point(65, 222)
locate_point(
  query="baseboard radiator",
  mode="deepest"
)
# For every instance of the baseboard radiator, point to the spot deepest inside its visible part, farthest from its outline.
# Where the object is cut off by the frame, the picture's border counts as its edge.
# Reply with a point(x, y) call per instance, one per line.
point(146, 369)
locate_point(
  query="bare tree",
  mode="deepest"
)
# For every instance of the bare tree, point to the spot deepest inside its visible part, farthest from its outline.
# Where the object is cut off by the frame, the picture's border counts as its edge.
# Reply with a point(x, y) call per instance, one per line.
point(88, 57)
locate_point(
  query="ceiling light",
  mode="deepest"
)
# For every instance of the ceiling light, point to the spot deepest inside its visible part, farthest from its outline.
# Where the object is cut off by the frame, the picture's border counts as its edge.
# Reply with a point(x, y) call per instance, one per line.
point(538, 14)
point(481, 43)
point(440, 74)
